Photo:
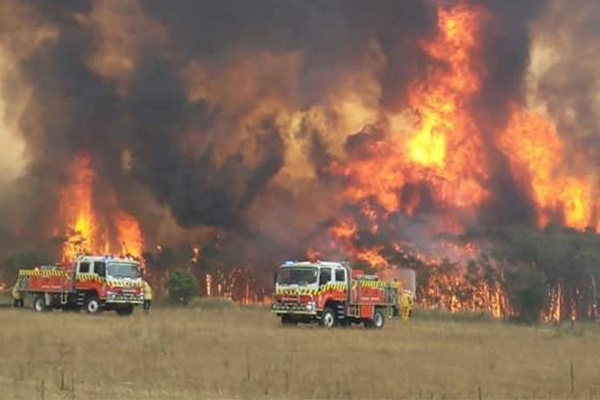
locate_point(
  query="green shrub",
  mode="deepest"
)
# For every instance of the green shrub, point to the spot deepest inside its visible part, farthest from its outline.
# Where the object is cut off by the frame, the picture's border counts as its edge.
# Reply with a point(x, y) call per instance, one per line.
point(527, 291)
point(182, 286)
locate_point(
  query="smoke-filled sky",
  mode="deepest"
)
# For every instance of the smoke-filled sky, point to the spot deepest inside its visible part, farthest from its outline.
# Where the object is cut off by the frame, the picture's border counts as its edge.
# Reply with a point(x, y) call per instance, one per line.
point(231, 113)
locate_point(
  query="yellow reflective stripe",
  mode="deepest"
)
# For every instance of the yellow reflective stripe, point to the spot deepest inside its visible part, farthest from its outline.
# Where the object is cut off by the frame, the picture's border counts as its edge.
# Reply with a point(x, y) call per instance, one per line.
point(378, 284)
point(295, 292)
point(41, 272)
point(122, 282)
point(336, 286)
point(84, 277)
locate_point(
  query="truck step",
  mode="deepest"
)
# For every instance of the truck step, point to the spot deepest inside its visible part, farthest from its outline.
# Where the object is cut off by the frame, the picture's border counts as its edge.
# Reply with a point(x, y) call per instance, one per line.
point(80, 299)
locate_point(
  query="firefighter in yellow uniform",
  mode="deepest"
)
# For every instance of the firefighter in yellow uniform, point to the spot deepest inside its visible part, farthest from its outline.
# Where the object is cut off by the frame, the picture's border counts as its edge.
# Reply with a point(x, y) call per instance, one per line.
point(407, 304)
point(147, 296)
point(18, 300)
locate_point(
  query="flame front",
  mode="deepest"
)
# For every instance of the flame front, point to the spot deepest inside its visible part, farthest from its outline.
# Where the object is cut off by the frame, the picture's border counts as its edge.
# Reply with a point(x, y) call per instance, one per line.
point(444, 155)
point(537, 161)
point(448, 140)
point(77, 209)
point(129, 234)
point(439, 170)
point(87, 229)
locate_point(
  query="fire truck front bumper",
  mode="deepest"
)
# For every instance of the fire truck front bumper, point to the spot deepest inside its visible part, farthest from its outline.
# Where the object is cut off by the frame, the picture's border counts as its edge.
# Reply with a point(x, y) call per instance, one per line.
point(124, 298)
point(279, 307)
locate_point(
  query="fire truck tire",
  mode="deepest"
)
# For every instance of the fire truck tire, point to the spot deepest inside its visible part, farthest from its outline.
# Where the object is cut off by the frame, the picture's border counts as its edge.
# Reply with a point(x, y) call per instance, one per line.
point(328, 318)
point(378, 320)
point(124, 311)
point(92, 305)
point(39, 304)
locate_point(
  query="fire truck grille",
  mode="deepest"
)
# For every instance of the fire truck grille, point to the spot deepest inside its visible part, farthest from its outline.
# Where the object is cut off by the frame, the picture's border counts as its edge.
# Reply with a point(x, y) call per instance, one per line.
point(124, 298)
point(287, 307)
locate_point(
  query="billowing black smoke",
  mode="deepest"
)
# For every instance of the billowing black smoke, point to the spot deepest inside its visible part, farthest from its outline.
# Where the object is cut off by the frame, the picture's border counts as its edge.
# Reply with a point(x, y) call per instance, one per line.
point(157, 125)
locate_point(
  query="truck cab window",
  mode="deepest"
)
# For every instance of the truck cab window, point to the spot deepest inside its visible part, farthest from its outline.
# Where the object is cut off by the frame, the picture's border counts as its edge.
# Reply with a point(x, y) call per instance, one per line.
point(325, 276)
point(100, 268)
point(84, 267)
point(340, 275)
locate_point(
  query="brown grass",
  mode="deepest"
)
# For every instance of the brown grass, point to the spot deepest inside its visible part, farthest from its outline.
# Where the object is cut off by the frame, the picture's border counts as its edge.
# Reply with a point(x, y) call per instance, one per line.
point(243, 353)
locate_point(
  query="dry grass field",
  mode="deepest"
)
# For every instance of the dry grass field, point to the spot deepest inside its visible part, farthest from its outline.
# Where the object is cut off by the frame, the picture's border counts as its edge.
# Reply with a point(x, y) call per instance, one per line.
point(208, 352)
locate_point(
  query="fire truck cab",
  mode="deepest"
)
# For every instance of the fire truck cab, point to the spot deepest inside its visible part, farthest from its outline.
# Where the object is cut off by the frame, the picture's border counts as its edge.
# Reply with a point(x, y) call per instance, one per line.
point(332, 293)
point(92, 283)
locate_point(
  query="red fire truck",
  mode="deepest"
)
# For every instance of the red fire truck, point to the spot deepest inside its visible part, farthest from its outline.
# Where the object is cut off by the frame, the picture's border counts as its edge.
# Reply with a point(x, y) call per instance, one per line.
point(92, 283)
point(332, 293)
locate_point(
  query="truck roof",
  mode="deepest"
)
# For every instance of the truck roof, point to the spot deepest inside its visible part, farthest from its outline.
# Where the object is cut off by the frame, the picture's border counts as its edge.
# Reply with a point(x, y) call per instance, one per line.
point(331, 264)
point(92, 258)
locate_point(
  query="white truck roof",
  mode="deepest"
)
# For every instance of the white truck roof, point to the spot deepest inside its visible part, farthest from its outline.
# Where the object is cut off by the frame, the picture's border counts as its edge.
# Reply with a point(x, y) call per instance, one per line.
point(331, 264)
point(105, 258)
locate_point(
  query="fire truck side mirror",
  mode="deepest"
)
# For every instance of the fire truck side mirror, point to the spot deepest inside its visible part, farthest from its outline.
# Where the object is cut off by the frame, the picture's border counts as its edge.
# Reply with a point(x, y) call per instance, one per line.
point(274, 278)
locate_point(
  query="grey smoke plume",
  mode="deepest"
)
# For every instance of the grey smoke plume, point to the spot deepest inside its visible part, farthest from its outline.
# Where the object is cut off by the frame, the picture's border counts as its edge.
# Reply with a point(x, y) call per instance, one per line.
point(195, 106)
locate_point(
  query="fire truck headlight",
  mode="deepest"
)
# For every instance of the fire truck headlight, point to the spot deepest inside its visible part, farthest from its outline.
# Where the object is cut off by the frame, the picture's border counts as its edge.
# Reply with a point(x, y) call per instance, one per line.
point(310, 306)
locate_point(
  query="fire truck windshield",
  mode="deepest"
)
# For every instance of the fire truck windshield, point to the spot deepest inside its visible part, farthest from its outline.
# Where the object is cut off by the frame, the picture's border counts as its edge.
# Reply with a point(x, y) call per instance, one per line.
point(297, 276)
point(123, 270)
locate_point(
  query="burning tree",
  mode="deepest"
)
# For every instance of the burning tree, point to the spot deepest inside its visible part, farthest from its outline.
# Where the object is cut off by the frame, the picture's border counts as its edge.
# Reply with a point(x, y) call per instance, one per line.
point(356, 135)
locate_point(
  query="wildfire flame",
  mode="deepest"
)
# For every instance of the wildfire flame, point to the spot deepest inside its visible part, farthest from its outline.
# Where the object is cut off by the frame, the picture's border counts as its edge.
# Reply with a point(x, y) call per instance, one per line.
point(445, 152)
point(441, 169)
point(443, 158)
point(87, 230)
point(537, 157)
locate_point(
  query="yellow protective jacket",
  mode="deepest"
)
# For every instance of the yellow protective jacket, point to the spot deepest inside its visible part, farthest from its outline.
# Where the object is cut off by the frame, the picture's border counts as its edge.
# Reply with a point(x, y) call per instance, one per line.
point(16, 294)
point(406, 300)
point(147, 291)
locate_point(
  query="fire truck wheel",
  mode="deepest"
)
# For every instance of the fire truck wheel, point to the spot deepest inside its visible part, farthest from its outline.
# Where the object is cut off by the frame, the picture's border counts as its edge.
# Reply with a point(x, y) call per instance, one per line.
point(377, 322)
point(39, 304)
point(378, 319)
point(92, 305)
point(328, 318)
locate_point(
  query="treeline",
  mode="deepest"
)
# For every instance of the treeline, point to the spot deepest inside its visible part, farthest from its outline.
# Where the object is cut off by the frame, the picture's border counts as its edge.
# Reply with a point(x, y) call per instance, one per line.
point(220, 268)
point(517, 272)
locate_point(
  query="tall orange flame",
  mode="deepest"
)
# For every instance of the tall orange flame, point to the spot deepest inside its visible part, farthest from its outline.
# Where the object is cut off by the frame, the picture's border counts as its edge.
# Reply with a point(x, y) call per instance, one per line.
point(445, 152)
point(448, 140)
point(129, 234)
point(537, 160)
point(75, 205)
point(89, 231)
point(444, 161)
